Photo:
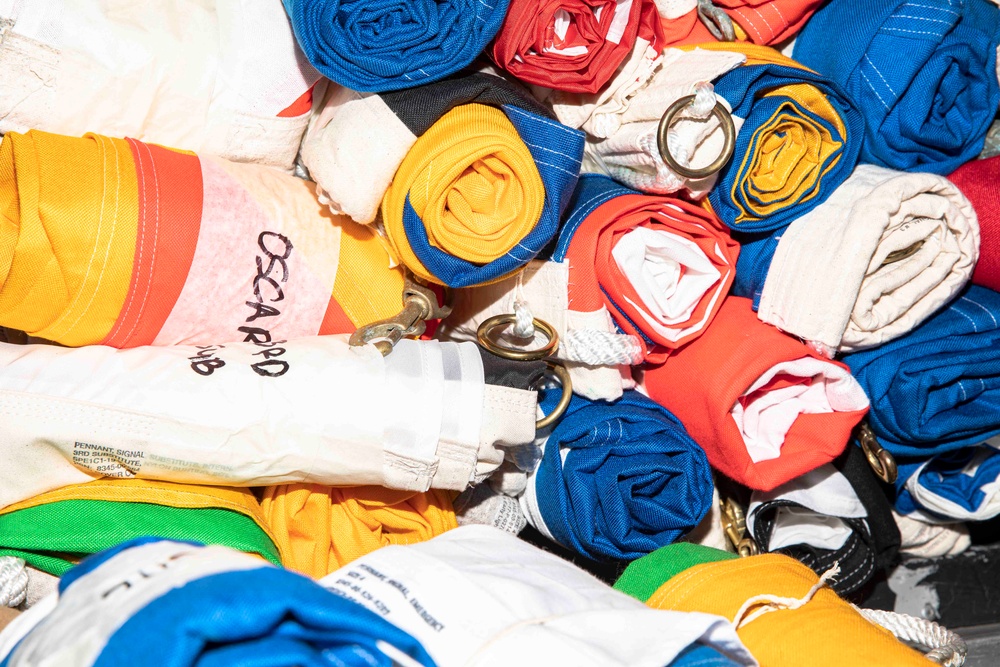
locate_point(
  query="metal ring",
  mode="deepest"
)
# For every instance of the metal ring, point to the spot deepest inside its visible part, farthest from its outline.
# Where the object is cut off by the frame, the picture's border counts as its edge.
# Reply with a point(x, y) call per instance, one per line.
point(497, 321)
point(567, 393)
point(728, 131)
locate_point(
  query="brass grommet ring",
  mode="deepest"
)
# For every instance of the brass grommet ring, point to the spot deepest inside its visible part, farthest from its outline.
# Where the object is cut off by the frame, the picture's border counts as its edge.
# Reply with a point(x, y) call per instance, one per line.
point(500, 321)
point(728, 131)
point(567, 393)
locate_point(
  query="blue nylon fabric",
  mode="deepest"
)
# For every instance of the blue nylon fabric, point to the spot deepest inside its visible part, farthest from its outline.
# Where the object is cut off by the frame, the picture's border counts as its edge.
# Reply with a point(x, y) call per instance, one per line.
point(375, 47)
point(255, 618)
point(937, 389)
point(945, 476)
point(741, 87)
point(922, 72)
point(592, 191)
point(632, 480)
point(700, 655)
point(557, 151)
point(756, 253)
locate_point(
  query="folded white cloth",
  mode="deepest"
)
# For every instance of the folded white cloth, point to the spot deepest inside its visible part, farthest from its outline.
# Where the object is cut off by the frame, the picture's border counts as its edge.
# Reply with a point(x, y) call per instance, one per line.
point(833, 280)
point(311, 410)
point(930, 540)
point(347, 126)
point(478, 596)
point(622, 119)
point(826, 498)
point(210, 76)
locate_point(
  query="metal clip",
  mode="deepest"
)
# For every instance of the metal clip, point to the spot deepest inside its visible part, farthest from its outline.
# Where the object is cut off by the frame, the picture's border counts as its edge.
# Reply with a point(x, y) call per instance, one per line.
point(734, 525)
point(419, 304)
point(717, 21)
point(879, 458)
point(728, 133)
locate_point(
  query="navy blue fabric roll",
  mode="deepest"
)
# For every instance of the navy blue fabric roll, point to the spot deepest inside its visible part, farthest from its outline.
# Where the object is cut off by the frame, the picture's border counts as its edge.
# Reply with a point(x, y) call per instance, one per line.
point(937, 389)
point(374, 47)
point(162, 603)
point(617, 480)
point(922, 73)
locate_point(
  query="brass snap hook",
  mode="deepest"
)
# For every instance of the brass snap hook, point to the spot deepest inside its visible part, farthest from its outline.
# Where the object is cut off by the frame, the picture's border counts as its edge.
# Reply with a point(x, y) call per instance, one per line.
point(734, 525)
point(419, 304)
point(879, 458)
point(728, 131)
point(485, 338)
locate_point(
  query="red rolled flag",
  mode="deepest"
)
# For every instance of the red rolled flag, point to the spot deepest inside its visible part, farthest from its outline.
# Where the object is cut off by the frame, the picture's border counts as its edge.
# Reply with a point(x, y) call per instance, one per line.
point(763, 406)
point(978, 182)
point(572, 45)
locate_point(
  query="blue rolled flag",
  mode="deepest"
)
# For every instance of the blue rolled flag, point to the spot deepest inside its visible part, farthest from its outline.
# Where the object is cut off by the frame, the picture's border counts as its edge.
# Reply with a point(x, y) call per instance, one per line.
point(800, 138)
point(163, 603)
point(617, 480)
point(922, 73)
point(381, 46)
point(937, 389)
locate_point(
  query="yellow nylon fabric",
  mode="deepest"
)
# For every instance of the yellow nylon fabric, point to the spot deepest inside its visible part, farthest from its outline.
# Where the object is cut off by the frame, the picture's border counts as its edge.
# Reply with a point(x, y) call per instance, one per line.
point(68, 223)
point(825, 632)
point(365, 287)
point(167, 494)
point(326, 527)
point(474, 184)
point(792, 148)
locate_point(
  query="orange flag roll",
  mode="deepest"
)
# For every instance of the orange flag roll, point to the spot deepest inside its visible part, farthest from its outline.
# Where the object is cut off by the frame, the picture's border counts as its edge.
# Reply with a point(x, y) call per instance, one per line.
point(121, 243)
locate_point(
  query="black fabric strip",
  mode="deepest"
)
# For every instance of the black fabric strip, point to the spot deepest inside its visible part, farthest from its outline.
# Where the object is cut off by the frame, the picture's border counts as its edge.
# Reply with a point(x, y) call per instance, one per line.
point(419, 108)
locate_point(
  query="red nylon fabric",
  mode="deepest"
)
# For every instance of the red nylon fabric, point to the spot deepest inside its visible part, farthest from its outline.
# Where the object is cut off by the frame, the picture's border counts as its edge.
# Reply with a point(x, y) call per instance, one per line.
point(763, 21)
point(702, 381)
point(978, 182)
point(530, 29)
point(596, 279)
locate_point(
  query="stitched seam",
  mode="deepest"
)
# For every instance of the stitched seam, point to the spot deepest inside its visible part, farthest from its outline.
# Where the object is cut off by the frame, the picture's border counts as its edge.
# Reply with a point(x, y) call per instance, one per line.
point(976, 303)
point(156, 236)
point(868, 81)
point(139, 238)
point(894, 94)
point(543, 148)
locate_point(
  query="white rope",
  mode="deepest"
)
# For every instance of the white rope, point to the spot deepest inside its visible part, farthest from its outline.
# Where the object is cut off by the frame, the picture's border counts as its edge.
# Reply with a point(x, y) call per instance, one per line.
point(524, 321)
point(700, 108)
point(600, 348)
point(768, 603)
point(13, 581)
point(704, 101)
point(947, 648)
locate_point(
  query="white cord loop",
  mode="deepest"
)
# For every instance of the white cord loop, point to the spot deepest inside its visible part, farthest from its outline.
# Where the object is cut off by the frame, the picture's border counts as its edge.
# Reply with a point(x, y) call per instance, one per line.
point(524, 321)
point(947, 648)
point(769, 603)
point(13, 581)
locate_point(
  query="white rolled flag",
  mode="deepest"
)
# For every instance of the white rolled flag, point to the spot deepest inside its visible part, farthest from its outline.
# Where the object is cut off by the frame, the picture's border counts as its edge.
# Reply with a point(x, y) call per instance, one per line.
point(312, 410)
point(880, 256)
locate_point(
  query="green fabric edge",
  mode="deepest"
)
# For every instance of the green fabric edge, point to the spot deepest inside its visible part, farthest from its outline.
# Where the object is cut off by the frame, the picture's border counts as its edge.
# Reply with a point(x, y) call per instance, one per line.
point(38, 534)
point(644, 576)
